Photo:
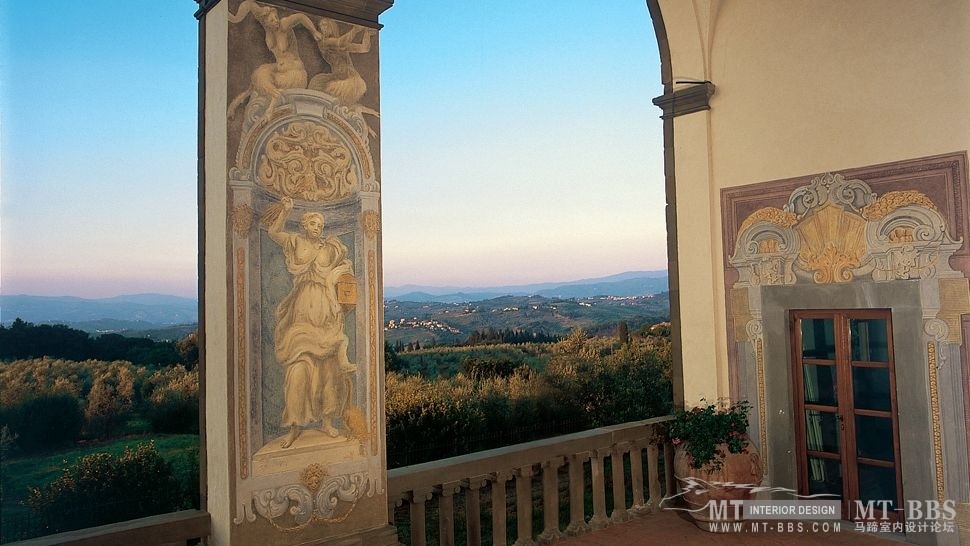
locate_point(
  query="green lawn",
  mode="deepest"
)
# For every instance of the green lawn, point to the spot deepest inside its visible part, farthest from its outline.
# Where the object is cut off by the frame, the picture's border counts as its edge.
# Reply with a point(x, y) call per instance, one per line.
point(17, 474)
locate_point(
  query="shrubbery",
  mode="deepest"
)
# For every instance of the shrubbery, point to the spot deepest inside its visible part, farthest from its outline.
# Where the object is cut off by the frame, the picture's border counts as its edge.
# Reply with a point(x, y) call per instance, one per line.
point(172, 400)
point(27, 340)
point(614, 386)
point(445, 361)
point(481, 368)
point(586, 383)
point(42, 422)
point(47, 402)
point(104, 488)
point(110, 400)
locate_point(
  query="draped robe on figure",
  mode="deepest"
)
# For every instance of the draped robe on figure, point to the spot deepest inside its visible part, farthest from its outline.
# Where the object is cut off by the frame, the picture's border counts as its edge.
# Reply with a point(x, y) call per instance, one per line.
point(310, 340)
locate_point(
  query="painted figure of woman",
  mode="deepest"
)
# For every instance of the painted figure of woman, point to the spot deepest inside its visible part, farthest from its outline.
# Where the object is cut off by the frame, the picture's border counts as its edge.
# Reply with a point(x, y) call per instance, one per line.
point(311, 344)
point(288, 71)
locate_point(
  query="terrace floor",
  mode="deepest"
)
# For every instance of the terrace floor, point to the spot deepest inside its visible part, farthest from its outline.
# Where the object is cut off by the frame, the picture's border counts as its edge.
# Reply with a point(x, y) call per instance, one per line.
point(669, 527)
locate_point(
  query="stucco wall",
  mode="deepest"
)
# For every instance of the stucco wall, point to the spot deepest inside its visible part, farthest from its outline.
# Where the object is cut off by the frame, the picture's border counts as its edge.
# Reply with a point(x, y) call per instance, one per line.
point(802, 88)
point(215, 292)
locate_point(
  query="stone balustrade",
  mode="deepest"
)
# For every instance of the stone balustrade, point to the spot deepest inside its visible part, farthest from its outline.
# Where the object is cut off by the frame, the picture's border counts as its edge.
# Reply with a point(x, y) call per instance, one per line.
point(469, 476)
point(172, 529)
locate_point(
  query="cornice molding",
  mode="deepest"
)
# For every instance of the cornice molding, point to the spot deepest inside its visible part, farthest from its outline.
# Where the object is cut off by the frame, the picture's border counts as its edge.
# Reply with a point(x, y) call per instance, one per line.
point(363, 12)
point(204, 7)
point(686, 100)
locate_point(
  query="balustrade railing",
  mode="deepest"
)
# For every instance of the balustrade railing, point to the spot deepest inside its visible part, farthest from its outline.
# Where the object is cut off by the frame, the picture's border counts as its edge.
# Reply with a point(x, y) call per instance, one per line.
point(484, 475)
point(172, 529)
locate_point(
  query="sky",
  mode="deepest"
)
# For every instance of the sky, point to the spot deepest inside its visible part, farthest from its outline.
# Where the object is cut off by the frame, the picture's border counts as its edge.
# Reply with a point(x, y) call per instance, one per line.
point(519, 144)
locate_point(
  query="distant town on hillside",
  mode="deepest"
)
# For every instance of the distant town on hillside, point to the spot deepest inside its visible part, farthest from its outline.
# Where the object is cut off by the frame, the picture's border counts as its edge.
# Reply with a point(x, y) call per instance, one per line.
point(413, 313)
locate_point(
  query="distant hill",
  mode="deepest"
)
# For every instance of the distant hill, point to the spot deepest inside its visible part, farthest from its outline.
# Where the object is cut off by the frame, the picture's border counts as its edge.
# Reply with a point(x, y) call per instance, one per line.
point(160, 316)
point(639, 286)
point(137, 311)
point(457, 297)
point(631, 283)
point(444, 323)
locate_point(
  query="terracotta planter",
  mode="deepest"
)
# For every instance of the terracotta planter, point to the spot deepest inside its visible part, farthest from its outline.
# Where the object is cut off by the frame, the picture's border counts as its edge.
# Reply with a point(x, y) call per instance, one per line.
point(738, 468)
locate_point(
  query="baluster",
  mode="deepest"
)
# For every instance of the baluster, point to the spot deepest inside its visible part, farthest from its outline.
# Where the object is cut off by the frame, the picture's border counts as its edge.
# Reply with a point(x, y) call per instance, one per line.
point(653, 478)
point(418, 498)
point(550, 501)
point(446, 513)
point(393, 501)
point(473, 510)
point(499, 530)
point(669, 478)
point(523, 506)
point(619, 514)
point(636, 476)
point(577, 493)
point(599, 519)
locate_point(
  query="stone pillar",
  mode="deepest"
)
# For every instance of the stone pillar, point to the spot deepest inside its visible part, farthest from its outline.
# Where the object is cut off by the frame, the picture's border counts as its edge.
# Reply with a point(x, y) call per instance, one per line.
point(599, 519)
point(577, 495)
point(550, 501)
point(523, 506)
point(499, 507)
point(619, 514)
point(292, 305)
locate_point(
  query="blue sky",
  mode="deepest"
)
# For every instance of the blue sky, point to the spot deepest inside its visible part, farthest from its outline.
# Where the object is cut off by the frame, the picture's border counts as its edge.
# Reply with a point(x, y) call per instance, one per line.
point(519, 144)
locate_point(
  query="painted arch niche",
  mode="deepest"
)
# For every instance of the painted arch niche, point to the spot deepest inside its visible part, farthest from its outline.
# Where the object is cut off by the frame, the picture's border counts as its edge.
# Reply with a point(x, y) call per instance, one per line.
point(833, 241)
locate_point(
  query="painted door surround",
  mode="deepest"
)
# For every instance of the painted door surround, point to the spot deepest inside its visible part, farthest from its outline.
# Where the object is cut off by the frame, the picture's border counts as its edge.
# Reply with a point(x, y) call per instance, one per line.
point(890, 236)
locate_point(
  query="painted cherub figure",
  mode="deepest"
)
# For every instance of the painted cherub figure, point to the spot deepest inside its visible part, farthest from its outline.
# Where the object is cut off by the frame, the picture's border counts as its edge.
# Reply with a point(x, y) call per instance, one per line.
point(288, 71)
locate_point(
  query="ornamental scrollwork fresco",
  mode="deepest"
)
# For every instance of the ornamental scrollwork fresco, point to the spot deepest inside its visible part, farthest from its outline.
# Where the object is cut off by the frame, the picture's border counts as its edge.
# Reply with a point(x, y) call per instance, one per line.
point(303, 506)
point(833, 244)
point(894, 200)
point(836, 230)
point(306, 160)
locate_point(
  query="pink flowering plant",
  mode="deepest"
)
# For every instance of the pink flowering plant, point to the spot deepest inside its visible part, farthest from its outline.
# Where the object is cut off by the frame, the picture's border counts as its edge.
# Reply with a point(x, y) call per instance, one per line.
point(701, 431)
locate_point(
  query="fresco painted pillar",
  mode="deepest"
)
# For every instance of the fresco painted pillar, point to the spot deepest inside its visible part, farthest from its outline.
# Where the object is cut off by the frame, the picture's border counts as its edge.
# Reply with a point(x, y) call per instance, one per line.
point(290, 266)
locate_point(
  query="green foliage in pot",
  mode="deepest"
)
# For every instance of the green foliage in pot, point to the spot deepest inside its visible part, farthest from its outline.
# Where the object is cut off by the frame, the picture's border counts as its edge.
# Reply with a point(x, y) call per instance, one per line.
point(701, 430)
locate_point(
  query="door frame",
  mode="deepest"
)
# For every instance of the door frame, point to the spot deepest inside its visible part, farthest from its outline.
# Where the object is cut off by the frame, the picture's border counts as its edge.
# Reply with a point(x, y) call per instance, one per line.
point(845, 405)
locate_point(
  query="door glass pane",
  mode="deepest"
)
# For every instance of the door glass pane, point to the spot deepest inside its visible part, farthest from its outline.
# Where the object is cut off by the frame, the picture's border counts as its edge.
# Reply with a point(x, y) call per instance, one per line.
point(824, 476)
point(820, 385)
point(870, 387)
point(818, 339)
point(822, 431)
point(877, 483)
point(869, 340)
point(874, 437)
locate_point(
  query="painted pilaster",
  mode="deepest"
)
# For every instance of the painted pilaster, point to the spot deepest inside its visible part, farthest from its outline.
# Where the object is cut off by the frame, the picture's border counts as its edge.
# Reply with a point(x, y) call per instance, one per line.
point(292, 273)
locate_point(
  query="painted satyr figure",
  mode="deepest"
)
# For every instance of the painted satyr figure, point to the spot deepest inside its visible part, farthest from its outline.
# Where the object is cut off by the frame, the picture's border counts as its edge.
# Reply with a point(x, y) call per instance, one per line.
point(343, 82)
point(311, 344)
point(288, 71)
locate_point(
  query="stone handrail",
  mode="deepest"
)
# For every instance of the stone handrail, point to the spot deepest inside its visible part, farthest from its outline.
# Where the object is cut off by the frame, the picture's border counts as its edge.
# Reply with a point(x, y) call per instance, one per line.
point(469, 474)
point(164, 529)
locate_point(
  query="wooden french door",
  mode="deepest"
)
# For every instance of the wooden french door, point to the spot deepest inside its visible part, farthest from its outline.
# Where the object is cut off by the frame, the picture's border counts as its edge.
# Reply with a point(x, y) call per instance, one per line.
point(846, 428)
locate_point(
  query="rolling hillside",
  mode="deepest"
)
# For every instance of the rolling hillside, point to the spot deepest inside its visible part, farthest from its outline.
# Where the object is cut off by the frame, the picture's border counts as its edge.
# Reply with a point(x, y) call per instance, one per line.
point(453, 322)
